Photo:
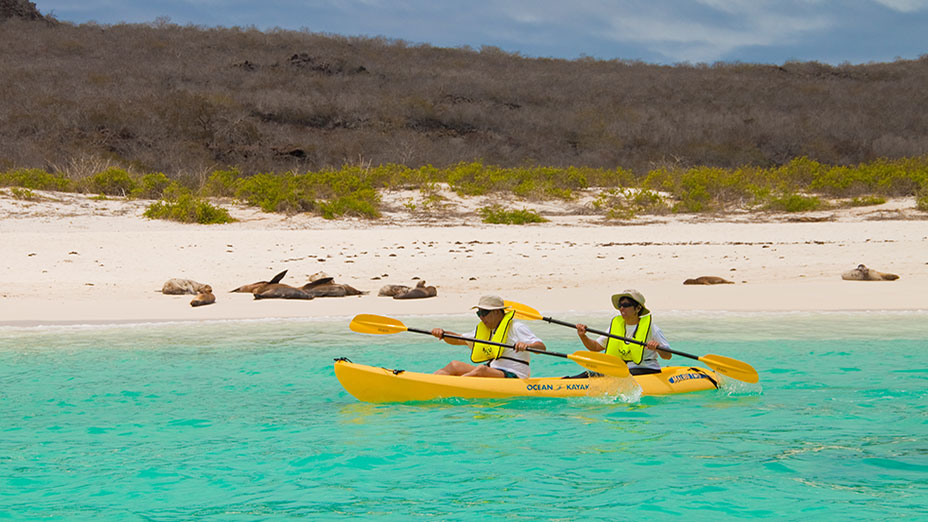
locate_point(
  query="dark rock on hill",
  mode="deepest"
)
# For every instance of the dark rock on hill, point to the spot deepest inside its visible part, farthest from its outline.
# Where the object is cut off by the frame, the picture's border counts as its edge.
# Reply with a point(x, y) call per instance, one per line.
point(19, 9)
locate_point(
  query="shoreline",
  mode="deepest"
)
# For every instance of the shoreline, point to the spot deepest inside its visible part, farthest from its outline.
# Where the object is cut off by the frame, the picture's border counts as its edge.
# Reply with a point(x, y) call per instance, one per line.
point(465, 316)
point(74, 260)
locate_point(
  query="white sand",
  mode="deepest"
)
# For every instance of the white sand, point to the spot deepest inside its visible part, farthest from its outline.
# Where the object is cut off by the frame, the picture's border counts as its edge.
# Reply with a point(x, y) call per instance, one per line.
point(71, 259)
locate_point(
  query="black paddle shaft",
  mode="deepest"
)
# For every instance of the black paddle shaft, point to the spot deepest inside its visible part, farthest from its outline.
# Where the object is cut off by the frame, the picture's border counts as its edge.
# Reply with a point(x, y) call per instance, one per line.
point(462, 338)
point(619, 337)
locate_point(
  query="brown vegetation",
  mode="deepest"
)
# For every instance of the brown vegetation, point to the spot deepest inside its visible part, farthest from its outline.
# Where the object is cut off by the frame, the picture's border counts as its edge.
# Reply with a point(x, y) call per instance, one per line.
point(186, 100)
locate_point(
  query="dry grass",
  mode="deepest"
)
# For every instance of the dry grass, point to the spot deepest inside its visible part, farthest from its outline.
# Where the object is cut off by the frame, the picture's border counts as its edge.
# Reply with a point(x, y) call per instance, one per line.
point(187, 100)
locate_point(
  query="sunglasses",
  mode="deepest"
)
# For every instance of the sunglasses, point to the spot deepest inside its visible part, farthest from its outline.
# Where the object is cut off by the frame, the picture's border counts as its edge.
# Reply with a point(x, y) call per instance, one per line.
point(482, 313)
point(626, 304)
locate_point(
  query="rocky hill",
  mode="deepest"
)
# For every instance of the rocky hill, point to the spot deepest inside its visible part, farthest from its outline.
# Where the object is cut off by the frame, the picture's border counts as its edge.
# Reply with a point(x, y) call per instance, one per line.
point(186, 100)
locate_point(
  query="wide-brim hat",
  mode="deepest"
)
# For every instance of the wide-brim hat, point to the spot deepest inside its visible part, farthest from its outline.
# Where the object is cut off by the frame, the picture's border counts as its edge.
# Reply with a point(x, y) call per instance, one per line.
point(490, 302)
point(635, 296)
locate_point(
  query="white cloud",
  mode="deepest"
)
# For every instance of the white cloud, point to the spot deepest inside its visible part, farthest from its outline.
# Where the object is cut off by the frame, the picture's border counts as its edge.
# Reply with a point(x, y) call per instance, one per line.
point(710, 39)
point(680, 30)
point(905, 6)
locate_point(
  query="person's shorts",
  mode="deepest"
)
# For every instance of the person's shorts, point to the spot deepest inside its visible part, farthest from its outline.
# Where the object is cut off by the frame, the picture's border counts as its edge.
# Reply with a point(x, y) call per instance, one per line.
point(506, 373)
point(642, 371)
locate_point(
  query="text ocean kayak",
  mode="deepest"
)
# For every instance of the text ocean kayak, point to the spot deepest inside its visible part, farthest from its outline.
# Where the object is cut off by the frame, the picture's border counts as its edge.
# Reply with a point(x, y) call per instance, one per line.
point(375, 384)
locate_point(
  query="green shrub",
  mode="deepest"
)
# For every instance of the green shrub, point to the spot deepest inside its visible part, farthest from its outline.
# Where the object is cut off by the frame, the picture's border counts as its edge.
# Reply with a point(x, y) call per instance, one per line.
point(867, 201)
point(496, 214)
point(614, 204)
point(277, 192)
point(188, 209)
point(475, 179)
point(469, 179)
point(222, 183)
point(24, 194)
point(798, 174)
point(152, 186)
point(35, 179)
point(629, 203)
point(921, 202)
point(795, 203)
point(111, 182)
point(360, 203)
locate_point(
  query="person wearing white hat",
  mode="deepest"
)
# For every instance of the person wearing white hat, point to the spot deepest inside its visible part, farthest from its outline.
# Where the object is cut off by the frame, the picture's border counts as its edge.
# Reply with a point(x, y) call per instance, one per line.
point(496, 324)
point(633, 322)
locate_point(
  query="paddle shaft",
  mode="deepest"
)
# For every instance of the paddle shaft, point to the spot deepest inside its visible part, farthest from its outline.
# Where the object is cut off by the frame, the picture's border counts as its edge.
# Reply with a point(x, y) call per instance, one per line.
point(619, 337)
point(462, 338)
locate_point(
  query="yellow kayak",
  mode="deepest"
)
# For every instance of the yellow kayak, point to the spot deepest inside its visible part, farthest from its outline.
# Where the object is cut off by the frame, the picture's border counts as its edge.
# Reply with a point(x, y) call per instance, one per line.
point(375, 384)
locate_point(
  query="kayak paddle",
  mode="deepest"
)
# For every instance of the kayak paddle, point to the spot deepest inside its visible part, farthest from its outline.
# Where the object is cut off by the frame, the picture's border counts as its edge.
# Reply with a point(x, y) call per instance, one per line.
point(594, 361)
point(734, 368)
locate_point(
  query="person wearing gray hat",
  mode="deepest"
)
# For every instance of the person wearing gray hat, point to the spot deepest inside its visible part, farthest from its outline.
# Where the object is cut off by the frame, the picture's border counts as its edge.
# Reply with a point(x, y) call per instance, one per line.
point(496, 324)
point(634, 322)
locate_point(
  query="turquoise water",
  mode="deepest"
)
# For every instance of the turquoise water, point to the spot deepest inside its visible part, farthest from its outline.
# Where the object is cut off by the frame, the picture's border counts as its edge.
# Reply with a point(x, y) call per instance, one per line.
point(246, 421)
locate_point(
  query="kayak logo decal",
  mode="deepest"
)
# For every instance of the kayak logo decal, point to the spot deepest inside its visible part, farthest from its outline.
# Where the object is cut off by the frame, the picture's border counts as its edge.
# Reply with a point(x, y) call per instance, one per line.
point(577, 386)
point(686, 377)
point(552, 387)
point(540, 387)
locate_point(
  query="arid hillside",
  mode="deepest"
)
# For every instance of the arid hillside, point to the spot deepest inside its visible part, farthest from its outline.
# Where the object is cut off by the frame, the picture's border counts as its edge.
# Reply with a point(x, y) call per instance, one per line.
point(184, 100)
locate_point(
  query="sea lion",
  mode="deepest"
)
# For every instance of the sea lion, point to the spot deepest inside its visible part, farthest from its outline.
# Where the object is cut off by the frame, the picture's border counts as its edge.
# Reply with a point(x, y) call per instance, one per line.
point(393, 290)
point(182, 286)
point(204, 298)
point(331, 290)
point(708, 280)
point(322, 285)
point(319, 278)
point(862, 273)
point(249, 289)
point(419, 292)
point(280, 291)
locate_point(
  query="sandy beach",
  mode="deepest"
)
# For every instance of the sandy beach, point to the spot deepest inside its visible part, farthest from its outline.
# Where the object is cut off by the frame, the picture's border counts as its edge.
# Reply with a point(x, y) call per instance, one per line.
point(71, 259)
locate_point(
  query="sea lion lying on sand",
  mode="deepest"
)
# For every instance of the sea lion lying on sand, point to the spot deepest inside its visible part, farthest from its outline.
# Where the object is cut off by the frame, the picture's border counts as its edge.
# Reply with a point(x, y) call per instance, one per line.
point(250, 289)
point(183, 286)
point(280, 291)
point(204, 298)
point(322, 285)
point(419, 292)
point(862, 273)
point(393, 290)
point(708, 280)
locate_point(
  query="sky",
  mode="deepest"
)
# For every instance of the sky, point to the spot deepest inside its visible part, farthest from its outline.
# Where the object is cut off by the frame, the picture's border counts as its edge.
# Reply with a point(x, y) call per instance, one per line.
point(652, 31)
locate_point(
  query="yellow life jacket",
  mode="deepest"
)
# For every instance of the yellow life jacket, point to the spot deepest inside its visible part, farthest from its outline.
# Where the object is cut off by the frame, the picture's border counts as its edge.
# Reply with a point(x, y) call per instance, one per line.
point(487, 352)
point(628, 351)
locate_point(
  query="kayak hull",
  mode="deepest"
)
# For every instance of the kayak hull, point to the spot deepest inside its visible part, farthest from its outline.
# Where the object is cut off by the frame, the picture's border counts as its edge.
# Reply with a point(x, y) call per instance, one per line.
point(376, 384)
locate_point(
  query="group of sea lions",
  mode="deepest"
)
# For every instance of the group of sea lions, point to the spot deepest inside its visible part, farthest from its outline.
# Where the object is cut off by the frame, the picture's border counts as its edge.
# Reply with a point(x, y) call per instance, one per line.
point(204, 293)
point(320, 285)
point(405, 292)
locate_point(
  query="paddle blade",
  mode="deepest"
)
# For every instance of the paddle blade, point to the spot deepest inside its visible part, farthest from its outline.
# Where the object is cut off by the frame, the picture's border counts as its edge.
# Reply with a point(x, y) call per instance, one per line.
point(731, 367)
point(523, 311)
point(600, 362)
point(376, 324)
